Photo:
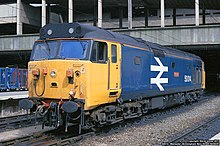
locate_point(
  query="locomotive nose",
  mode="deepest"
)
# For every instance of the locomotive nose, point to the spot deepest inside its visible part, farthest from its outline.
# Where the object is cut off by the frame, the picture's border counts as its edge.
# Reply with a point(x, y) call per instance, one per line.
point(53, 79)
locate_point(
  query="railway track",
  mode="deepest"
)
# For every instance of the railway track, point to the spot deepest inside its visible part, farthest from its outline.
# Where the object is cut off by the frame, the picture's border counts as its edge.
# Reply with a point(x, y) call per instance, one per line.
point(54, 137)
point(184, 139)
point(49, 138)
point(19, 121)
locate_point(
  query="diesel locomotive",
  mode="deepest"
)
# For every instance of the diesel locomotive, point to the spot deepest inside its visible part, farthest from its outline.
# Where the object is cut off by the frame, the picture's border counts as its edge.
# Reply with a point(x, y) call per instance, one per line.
point(89, 77)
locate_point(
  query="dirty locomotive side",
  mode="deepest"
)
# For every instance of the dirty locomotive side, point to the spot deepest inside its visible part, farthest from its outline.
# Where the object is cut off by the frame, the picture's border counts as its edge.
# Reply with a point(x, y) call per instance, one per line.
point(86, 76)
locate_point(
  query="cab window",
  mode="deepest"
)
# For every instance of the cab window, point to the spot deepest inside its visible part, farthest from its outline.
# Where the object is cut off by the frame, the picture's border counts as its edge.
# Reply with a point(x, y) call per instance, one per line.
point(114, 53)
point(99, 52)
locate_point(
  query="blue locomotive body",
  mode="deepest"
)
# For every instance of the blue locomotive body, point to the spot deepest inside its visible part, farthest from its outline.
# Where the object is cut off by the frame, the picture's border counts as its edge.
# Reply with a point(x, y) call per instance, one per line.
point(183, 74)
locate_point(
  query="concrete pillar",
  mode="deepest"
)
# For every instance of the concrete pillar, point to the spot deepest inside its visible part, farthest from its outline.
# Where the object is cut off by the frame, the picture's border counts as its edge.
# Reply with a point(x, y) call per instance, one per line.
point(174, 16)
point(146, 12)
point(19, 23)
point(162, 13)
point(197, 12)
point(203, 16)
point(120, 17)
point(2, 108)
point(129, 14)
point(71, 11)
point(43, 13)
point(48, 13)
point(95, 13)
point(99, 13)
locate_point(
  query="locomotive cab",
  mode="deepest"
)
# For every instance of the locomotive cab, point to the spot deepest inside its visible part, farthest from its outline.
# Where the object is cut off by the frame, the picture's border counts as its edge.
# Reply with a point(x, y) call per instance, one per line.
point(61, 72)
point(60, 68)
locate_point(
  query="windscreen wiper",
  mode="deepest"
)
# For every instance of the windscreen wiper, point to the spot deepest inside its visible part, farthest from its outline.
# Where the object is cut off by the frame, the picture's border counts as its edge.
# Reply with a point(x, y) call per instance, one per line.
point(48, 47)
point(83, 47)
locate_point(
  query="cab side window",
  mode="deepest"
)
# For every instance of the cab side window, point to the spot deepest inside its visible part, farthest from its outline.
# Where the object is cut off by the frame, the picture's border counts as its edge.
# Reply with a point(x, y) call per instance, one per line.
point(99, 52)
point(114, 53)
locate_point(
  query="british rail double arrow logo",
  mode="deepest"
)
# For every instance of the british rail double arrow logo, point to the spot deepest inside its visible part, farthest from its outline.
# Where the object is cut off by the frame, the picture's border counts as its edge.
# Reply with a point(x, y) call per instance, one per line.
point(158, 80)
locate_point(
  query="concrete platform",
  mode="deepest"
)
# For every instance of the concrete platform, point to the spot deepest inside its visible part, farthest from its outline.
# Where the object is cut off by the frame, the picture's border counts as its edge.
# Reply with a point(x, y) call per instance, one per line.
point(13, 95)
point(18, 133)
point(216, 137)
point(9, 103)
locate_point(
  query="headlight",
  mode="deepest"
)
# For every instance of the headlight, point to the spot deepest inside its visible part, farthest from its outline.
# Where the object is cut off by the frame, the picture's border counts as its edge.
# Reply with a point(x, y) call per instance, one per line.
point(53, 74)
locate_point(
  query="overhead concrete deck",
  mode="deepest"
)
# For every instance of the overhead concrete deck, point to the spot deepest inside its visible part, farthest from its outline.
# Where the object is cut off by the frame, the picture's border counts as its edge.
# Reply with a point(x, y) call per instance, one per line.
point(209, 4)
point(32, 14)
point(171, 36)
point(17, 42)
point(180, 35)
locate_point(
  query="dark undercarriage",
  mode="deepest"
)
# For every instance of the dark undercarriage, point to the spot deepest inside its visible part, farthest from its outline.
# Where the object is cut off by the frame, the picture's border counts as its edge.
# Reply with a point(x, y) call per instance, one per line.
point(72, 113)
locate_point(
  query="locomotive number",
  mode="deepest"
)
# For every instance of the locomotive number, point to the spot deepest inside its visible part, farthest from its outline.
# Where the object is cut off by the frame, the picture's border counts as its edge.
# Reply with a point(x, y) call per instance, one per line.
point(187, 78)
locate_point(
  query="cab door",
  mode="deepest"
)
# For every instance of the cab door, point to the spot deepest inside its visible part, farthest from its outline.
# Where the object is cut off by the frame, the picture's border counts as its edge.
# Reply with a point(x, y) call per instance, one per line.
point(114, 69)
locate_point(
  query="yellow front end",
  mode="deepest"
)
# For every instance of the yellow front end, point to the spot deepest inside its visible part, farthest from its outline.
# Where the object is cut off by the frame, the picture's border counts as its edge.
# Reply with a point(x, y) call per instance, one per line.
point(96, 83)
point(53, 82)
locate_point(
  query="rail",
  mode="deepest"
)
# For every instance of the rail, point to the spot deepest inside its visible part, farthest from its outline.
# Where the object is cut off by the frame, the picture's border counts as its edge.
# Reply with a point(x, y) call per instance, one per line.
point(184, 136)
point(19, 121)
point(48, 138)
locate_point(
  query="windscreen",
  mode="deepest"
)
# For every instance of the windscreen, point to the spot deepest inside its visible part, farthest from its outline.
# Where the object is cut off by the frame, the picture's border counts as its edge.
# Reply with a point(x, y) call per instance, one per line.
point(61, 49)
point(80, 49)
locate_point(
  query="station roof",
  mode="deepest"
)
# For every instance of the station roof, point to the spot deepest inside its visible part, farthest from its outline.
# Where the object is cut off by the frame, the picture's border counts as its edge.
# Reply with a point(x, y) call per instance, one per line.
point(208, 4)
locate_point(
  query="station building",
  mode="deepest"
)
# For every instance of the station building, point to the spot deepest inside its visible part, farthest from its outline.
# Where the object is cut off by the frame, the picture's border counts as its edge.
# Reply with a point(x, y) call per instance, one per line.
point(28, 16)
point(190, 25)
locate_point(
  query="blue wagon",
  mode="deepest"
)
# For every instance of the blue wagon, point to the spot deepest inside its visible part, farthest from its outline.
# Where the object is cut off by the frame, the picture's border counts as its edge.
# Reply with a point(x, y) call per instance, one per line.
point(12, 79)
point(3, 79)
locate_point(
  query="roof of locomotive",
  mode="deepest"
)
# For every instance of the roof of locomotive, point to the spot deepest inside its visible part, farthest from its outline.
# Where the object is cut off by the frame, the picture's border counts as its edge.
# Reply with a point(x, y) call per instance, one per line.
point(77, 30)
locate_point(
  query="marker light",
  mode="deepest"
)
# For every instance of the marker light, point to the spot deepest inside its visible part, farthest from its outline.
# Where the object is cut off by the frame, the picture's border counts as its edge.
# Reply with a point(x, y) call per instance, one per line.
point(69, 73)
point(53, 74)
point(71, 30)
point(49, 32)
point(36, 72)
point(44, 70)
